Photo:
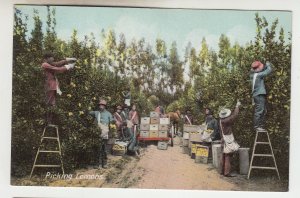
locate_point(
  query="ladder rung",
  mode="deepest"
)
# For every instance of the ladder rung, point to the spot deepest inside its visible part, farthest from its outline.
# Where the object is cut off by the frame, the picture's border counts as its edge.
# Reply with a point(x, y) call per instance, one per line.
point(263, 131)
point(263, 167)
point(40, 165)
point(263, 155)
point(52, 125)
point(44, 151)
point(52, 138)
point(262, 143)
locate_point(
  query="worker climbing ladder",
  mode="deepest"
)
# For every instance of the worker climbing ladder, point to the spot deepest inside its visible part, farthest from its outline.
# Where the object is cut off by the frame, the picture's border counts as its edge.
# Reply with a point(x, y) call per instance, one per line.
point(261, 155)
point(47, 137)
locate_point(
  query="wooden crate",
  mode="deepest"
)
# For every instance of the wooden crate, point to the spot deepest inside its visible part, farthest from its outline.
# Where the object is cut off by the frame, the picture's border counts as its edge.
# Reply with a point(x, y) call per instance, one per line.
point(163, 127)
point(195, 137)
point(120, 148)
point(162, 145)
point(145, 127)
point(154, 121)
point(153, 127)
point(190, 128)
point(145, 120)
point(144, 134)
point(153, 134)
point(194, 128)
point(164, 120)
point(202, 153)
point(194, 149)
point(163, 134)
point(154, 114)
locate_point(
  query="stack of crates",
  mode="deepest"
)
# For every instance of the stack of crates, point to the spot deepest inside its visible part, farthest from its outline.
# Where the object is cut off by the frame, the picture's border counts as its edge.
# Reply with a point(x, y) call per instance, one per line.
point(163, 127)
point(154, 126)
point(145, 127)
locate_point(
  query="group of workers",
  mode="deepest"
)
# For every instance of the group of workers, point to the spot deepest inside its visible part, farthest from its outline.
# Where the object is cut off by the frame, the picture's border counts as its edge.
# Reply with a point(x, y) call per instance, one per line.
point(126, 119)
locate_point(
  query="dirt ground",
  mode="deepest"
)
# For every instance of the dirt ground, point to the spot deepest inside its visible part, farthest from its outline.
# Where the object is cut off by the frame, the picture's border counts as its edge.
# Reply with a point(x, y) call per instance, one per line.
point(158, 169)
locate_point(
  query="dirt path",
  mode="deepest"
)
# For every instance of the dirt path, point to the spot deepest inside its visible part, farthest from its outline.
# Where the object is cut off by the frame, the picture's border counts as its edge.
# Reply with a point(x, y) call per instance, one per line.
point(157, 169)
point(171, 169)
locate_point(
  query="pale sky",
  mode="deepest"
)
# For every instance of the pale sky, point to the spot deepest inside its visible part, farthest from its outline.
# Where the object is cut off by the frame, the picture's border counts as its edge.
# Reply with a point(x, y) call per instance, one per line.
point(180, 25)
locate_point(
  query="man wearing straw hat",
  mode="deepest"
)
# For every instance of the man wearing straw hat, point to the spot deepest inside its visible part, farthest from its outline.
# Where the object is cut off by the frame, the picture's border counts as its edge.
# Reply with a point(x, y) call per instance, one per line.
point(229, 145)
point(257, 74)
point(103, 118)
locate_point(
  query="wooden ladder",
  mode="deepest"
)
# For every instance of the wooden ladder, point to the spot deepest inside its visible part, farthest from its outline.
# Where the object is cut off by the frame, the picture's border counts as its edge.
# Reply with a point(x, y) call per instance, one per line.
point(267, 155)
point(48, 151)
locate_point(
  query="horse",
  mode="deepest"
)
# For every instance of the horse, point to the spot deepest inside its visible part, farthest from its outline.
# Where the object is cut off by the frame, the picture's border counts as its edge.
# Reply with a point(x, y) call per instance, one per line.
point(174, 120)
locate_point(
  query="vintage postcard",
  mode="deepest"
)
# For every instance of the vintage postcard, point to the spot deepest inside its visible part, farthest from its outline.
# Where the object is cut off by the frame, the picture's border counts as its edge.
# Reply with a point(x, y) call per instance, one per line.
point(151, 98)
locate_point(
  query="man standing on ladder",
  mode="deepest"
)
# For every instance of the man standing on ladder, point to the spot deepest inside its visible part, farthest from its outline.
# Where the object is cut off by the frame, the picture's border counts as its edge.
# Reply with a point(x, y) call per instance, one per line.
point(258, 72)
point(51, 83)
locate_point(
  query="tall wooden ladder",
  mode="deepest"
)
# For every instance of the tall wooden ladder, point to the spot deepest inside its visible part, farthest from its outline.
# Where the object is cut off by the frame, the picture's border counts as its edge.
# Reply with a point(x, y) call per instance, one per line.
point(44, 137)
point(263, 155)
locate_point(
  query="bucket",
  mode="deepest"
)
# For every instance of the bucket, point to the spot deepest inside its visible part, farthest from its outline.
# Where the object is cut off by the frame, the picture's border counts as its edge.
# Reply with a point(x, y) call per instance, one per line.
point(185, 142)
point(244, 160)
point(216, 142)
point(185, 150)
point(216, 155)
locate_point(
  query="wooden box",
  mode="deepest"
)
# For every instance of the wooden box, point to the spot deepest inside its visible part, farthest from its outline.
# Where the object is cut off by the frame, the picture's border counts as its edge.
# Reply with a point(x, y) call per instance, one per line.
point(163, 127)
point(163, 134)
point(144, 134)
point(162, 145)
point(153, 127)
point(164, 120)
point(145, 127)
point(145, 120)
point(191, 128)
point(120, 148)
point(202, 153)
point(153, 134)
point(195, 137)
point(154, 114)
point(154, 121)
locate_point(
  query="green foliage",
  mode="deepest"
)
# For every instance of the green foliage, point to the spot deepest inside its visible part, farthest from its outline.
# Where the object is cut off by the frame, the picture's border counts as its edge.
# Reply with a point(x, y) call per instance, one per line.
point(154, 76)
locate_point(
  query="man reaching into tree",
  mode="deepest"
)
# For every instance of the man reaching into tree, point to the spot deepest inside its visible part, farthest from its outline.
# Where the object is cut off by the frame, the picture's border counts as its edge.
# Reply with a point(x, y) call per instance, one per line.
point(51, 83)
point(258, 72)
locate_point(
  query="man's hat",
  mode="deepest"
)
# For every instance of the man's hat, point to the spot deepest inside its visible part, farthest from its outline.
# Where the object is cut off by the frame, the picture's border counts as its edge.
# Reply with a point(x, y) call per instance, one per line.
point(224, 113)
point(102, 102)
point(257, 65)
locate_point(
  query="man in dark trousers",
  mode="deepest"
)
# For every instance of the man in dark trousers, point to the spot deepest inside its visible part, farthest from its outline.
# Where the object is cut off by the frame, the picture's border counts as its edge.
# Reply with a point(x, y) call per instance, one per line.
point(103, 118)
point(257, 74)
point(51, 68)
